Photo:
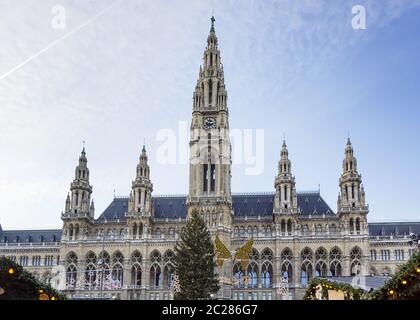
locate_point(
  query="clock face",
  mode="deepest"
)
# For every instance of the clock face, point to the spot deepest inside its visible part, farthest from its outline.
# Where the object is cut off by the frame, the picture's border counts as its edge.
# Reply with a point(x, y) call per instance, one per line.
point(209, 123)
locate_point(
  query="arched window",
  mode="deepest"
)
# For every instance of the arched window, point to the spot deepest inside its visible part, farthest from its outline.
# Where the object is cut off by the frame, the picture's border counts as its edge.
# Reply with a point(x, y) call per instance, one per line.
point(254, 255)
point(134, 230)
point(238, 276)
point(287, 262)
point(76, 231)
point(136, 257)
point(70, 231)
point(169, 269)
point(71, 270)
point(155, 276)
point(266, 274)
point(283, 226)
point(306, 254)
point(90, 258)
point(335, 254)
point(136, 260)
point(351, 225)
point(255, 231)
point(358, 224)
point(249, 231)
point(117, 274)
point(318, 230)
point(104, 261)
point(355, 258)
point(90, 276)
point(335, 269)
point(267, 255)
point(252, 275)
point(373, 255)
point(242, 234)
point(117, 257)
point(306, 273)
point(321, 254)
point(136, 275)
point(155, 270)
point(321, 269)
point(289, 227)
point(335, 262)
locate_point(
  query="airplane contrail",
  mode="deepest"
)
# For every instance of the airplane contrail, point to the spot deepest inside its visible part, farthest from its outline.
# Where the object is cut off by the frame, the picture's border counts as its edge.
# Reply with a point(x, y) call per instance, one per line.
point(54, 43)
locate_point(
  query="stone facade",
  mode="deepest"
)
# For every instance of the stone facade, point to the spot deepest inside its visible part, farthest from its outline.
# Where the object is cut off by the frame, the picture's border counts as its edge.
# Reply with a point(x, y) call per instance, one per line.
point(127, 252)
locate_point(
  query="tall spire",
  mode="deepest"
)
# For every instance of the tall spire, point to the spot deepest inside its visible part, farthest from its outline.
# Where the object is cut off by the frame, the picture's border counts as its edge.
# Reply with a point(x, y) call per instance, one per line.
point(350, 161)
point(284, 183)
point(210, 92)
point(352, 193)
point(82, 171)
point(142, 187)
point(80, 189)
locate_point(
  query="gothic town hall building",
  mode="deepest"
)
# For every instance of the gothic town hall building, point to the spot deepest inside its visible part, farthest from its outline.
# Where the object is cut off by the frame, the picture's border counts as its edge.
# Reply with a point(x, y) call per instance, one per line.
point(127, 251)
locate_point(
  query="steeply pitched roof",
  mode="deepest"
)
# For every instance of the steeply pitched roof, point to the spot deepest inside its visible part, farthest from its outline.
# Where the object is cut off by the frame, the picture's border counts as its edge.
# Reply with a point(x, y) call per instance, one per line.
point(252, 204)
point(311, 203)
point(28, 236)
point(393, 228)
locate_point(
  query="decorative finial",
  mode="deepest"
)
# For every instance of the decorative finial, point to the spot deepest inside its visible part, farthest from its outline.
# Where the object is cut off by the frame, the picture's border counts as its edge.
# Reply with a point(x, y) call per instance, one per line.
point(144, 145)
point(114, 193)
point(83, 151)
point(348, 137)
point(212, 23)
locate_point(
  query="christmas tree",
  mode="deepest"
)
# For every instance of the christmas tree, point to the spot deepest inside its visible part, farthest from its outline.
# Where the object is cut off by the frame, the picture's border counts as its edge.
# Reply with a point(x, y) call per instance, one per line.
point(194, 262)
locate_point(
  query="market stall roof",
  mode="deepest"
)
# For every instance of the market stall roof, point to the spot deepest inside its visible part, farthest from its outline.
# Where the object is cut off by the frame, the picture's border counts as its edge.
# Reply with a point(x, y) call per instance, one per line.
point(366, 282)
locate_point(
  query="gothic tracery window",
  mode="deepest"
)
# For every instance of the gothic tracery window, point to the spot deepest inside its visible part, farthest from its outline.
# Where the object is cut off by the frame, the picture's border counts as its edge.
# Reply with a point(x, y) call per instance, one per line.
point(136, 260)
point(238, 276)
point(252, 274)
point(287, 264)
point(117, 269)
point(71, 270)
point(355, 258)
point(169, 269)
point(155, 269)
point(335, 262)
point(306, 266)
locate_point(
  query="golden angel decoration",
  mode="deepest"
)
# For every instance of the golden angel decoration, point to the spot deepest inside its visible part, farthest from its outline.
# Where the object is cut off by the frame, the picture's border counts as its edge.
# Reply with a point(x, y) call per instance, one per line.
point(241, 255)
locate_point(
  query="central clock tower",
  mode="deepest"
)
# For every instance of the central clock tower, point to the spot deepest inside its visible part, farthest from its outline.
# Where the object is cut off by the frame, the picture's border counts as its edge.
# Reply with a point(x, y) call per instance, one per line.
point(210, 147)
point(210, 153)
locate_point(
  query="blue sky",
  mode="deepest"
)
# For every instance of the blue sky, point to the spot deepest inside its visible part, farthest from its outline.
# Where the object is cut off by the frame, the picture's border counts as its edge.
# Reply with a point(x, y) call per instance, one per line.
point(291, 67)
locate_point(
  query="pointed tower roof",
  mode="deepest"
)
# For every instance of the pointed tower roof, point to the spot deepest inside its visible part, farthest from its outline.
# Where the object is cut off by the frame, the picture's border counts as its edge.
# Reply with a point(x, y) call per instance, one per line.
point(212, 38)
point(284, 152)
point(349, 148)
